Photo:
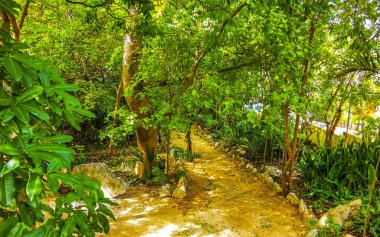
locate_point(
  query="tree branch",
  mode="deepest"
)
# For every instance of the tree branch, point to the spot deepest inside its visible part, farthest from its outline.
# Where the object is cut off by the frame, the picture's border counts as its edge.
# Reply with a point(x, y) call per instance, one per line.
point(106, 2)
point(23, 15)
point(247, 64)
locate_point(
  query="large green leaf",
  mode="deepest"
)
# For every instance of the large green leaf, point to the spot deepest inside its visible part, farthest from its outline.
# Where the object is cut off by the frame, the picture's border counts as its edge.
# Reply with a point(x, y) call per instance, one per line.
point(26, 215)
point(30, 94)
point(8, 115)
point(60, 138)
point(65, 87)
point(27, 61)
point(54, 165)
point(58, 148)
point(9, 189)
point(38, 232)
point(21, 114)
point(34, 186)
point(84, 112)
point(39, 113)
point(68, 99)
point(69, 227)
point(68, 179)
point(71, 119)
point(13, 68)
point(104, 222)
point(10, 149)
point(7, 224)
point(5, 99)
point(11, 165)
point(18, 230)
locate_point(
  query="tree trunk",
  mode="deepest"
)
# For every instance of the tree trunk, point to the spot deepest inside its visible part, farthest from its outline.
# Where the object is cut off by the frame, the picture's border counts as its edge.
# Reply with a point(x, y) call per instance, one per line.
point(147, 138)
point(189, 146)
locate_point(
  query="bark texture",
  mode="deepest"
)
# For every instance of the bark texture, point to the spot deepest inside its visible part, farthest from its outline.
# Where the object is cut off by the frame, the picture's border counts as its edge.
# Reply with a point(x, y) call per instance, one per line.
point(147, 138)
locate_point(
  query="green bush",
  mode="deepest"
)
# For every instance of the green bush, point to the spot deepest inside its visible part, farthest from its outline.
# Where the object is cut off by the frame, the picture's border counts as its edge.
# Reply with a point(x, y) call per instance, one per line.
point(34, 101)
point(334, 176)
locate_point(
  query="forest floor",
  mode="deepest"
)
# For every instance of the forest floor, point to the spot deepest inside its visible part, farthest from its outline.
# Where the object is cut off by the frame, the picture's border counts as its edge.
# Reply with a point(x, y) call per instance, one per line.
point(224, 200)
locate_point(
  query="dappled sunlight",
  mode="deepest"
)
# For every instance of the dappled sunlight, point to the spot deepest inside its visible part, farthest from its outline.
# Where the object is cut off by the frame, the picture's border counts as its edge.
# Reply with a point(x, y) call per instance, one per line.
point(165, 231)
point(224, 200)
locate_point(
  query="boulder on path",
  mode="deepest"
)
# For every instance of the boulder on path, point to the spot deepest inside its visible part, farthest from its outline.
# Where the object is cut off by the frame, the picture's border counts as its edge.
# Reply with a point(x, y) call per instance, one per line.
point(166, 191)
point(341, 215)
point(112, 186)
point(293, 199)
point(182, 189)
point(272, 171)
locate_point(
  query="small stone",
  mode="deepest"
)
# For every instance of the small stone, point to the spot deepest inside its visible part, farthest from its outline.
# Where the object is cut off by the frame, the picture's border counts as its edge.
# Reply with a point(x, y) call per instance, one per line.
point(272, 171)
point(293, 199)
point(302, 207)
point(313, 233)
point(276, 187)
point(182, 189)
point(268, 180)
point(165, 191)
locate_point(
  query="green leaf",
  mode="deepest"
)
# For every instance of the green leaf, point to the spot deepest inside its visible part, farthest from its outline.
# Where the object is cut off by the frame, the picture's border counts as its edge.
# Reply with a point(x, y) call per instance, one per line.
point(13, 68)
point(53, 183)
point(60, 138)
point(103, 220)
point(44, 78)
point(54, 165)
point(26, 215)
point(33, 188)
point(10, 149)
point(39, 113)
point(68, 99)
point(18, 230)
point(55, 108)
point(28, 61)
point(65, 87)
point(68, 179)
point(7, 224)
point(69, 227)
point(11, 165)
point(21, 114)
point(9, 190)
point(84, 112)
point(38, 232)
point(51, 148)
point(103, 209)
point(5, 99)
point(71, 119)
point(8, 115)
point(30, 94)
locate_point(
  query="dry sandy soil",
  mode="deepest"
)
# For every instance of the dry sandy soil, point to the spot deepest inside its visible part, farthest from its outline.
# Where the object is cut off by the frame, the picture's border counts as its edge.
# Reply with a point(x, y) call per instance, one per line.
point(224, 200)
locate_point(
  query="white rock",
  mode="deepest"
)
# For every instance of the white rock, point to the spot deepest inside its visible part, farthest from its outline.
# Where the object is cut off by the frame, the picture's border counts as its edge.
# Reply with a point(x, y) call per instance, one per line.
point(111, 185)
point(293, 199)
point(166, 191)
point(312, 233)
point(182, 189)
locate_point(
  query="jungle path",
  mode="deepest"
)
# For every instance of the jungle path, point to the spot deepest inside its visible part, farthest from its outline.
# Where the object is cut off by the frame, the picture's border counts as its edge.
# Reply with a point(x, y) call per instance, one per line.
point(224, 200)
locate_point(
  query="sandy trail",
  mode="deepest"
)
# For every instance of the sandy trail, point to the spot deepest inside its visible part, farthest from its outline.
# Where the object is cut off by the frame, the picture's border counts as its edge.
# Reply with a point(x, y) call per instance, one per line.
point(224, 200)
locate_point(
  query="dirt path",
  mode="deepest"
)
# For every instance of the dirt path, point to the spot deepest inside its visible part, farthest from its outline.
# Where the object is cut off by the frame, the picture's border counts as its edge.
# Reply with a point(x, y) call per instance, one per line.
point(224, 201)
